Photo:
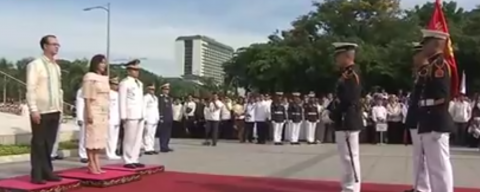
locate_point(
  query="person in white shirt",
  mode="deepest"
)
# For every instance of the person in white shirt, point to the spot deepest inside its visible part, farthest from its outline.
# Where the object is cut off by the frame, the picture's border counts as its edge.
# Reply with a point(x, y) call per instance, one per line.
point(189, 108)
point(249, 119)
point(45, 102)
point(461, 110)
point(226, 124)
point(394, 119)
point(114, 121)
point(132, 115)
point(152, 116)
point(178, 130)
point(379, 118)
point(262, 113)
point(79, 107)
point(238, 111)
point(212, 116)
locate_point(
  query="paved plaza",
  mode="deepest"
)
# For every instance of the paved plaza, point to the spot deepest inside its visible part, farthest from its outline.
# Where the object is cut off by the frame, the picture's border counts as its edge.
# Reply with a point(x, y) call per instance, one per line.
point(380, 163)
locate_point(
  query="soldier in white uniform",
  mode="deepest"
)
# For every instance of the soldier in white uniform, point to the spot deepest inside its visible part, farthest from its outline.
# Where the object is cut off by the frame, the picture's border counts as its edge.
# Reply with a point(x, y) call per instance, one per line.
point(114, 121)
point(79, 107)
point(132, 114)
point(152, 117)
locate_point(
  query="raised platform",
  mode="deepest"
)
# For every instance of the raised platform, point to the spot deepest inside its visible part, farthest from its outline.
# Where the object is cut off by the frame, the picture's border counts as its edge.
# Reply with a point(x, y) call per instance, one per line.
point(22, 184)
point(109, 178)
point(147, 170)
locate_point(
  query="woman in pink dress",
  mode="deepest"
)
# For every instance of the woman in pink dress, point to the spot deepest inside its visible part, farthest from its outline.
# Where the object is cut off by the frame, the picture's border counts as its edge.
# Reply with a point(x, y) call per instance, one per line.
point(96, 91)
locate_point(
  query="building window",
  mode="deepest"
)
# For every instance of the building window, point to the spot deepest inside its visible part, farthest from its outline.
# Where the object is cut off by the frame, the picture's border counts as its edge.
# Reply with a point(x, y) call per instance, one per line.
point(188, 57)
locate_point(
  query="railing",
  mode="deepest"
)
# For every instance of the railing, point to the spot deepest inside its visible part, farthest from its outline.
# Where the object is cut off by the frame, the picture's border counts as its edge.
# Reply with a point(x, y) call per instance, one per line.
point(14, 94)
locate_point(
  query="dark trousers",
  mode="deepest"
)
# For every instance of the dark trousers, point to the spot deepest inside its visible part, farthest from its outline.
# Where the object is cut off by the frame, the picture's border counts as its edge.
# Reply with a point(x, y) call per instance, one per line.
point(227, 129)
point(240, 129)
point(120, 140)
point(211, 131)
point(395, 132)
point(44, 135)
point(262, 131)
point(178, 130)
point(200, 128)
point(248, 133)
point(459, 135)
point(164, 134)
point(329, 136)
point(190, 125)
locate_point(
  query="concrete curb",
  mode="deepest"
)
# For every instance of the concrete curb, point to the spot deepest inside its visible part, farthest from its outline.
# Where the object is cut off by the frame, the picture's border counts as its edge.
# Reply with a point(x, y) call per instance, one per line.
point(26, 157)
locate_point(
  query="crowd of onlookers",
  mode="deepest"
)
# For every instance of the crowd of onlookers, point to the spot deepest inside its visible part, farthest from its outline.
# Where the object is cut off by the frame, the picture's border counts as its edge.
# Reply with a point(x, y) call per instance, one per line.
point(379, 108)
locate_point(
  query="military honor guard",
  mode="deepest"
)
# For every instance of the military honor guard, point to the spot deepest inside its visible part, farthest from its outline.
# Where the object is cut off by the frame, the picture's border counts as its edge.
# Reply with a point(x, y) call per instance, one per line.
point(79, 111)
point(132, 115)
point(295, 117)
point(347, 115)
point(421, 181)
point(165, 110)
point(114, 121)
point(311, 113)
point(435, 122)
point(152, 117)
point(278, 115)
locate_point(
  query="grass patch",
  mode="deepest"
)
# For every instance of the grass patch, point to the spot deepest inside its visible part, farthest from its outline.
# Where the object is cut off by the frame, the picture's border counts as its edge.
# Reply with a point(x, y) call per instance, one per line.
point(6, 150)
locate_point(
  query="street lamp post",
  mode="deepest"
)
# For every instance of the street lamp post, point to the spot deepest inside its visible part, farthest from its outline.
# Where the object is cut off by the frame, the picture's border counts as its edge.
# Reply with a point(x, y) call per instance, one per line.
point(106, 8)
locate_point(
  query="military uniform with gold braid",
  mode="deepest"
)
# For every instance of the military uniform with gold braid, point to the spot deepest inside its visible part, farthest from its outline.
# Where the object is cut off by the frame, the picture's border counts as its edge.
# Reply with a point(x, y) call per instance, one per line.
point(435, 122)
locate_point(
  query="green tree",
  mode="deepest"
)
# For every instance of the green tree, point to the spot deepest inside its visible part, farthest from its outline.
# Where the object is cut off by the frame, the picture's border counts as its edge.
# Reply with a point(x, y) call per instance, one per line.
point(300, 58)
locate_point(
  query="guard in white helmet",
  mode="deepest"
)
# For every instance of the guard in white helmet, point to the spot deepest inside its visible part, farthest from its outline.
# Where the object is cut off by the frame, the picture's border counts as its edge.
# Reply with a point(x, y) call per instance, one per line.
point(346, 112)
point(435, 122)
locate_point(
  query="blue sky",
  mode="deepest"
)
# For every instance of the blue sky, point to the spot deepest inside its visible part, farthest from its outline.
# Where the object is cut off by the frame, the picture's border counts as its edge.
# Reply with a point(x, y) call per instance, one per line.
point(144, 28)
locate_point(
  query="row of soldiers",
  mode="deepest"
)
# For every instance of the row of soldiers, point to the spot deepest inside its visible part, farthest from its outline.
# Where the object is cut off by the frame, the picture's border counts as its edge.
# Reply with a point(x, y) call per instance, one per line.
point(427, 118)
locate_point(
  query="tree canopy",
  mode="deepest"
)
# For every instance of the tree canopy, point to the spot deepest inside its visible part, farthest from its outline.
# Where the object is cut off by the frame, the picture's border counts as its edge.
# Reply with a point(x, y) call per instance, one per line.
point(13, 78)
point(300, 58)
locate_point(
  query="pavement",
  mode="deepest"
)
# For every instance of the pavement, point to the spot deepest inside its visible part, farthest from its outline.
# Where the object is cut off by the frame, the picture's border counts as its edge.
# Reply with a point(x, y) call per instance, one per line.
point(380, 163)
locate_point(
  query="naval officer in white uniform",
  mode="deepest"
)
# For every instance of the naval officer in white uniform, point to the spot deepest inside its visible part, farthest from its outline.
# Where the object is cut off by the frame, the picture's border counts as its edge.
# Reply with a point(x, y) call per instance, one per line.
point(79, 107)
point(152, 117)
point(114, 121)
point(132, 115)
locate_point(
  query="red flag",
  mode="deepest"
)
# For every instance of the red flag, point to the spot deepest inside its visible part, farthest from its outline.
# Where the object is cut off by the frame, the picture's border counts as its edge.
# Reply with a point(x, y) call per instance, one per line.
point(438, 22)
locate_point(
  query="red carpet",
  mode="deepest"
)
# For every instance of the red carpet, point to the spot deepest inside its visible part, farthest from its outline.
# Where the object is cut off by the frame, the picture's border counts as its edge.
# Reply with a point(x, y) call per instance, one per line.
point(188, 182)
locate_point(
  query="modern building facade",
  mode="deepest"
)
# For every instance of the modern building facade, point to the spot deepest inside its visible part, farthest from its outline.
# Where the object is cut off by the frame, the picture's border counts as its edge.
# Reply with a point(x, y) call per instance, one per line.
point(202, 56)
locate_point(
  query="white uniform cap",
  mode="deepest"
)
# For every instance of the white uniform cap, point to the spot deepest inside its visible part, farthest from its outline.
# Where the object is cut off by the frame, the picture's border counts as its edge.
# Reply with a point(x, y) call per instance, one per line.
point(344, 46)
point(428, 33)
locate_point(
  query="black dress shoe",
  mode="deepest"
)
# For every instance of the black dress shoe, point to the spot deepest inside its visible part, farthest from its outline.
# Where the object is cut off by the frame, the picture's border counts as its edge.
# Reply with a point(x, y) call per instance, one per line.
point(139, 165)
point(155, 152)
point(58, 157)
point(38, 182)
point(206, 143)
point(170, 149)
point(149, 153)
point(164, 151)
point(278, 143)
point(53, 178)
point(412, 190)
point(130, 166)
point(84, 160)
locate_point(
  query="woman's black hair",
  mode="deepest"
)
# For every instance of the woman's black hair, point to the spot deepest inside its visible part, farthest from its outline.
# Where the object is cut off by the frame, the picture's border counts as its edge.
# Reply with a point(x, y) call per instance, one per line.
point(95, 61)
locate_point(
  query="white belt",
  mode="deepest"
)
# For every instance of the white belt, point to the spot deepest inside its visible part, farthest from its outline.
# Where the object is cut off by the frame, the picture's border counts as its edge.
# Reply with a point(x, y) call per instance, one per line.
point(426, 102)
